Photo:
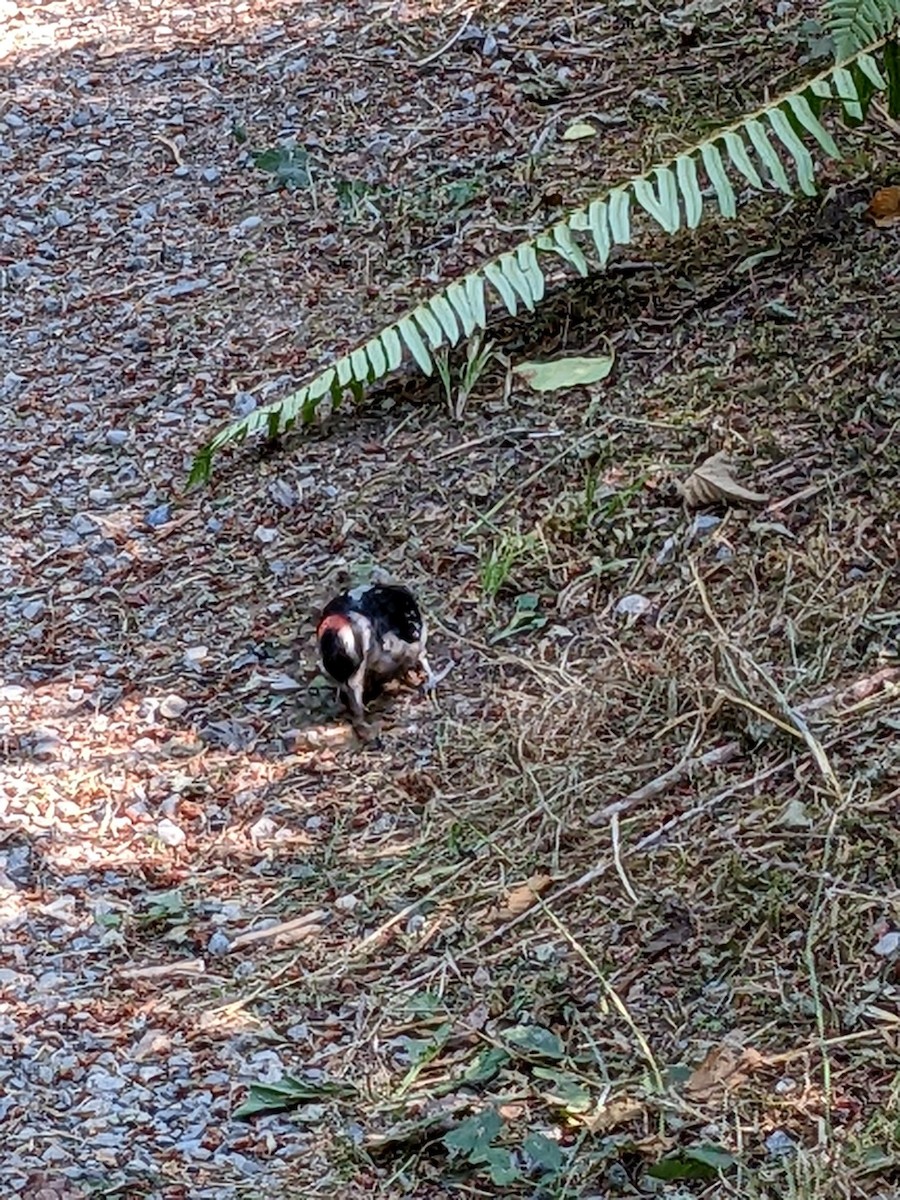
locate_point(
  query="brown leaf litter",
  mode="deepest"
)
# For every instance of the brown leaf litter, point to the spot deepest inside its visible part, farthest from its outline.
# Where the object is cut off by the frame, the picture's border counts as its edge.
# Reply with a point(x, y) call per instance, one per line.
point(204, 884)
point(714, 480)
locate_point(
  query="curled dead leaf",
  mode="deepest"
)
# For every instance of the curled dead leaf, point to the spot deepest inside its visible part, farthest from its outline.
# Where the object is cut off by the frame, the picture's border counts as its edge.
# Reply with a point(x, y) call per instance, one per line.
point(725, 1067)
point(614, 1114)
point(884, 207)
point(713, 481)
point(520, 898)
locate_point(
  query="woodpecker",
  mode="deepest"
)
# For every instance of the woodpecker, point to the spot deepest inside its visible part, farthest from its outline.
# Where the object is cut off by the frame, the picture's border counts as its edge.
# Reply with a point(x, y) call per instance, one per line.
point(368, 636)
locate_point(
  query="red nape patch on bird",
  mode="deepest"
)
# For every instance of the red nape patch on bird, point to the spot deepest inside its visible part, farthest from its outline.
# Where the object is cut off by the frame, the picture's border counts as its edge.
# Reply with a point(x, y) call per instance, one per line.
point(335, 622)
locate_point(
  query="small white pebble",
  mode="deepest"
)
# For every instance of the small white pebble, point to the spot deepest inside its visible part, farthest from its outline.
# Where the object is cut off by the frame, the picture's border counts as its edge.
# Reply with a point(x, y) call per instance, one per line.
point(262, 829)
point(888, 944)
point(172, 706)
point(169, 833)
point(633, 604)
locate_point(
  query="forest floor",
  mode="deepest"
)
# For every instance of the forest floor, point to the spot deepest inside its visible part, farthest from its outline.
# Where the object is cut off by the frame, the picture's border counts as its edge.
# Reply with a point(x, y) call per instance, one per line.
point(618, 904)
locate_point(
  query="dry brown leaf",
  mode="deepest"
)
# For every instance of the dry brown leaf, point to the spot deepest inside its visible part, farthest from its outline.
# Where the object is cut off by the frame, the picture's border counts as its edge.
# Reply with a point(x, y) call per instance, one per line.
point(154, 1044)
point(714, 480)
point(519, 899)
point(884, 207)
point(285, 933)
point(614, 1114)
point(191, 966)
point(723, 1067)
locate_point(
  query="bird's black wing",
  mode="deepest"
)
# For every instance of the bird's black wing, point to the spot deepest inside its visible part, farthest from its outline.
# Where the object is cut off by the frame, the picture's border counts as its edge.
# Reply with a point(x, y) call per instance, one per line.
point(392, 609)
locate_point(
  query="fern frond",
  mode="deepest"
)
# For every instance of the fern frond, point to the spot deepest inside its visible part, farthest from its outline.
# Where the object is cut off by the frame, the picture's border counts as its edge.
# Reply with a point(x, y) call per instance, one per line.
point(392, 348)
point(598, 224)
point(495, 276)
point(686, 172)
point(430, 326)
point(768, 145)
point(856, 24)
point(409, 331)
point(561, 242)
point(441, 308)
point(360, 364)
point(662, 203)
point(377, 358)
point(513, 272)
point(527, 262)
point(712, 163)
point(620, 216)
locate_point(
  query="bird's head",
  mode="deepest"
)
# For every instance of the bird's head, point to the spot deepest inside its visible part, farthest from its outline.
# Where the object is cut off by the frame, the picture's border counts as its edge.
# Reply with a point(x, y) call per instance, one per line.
point(342, 645)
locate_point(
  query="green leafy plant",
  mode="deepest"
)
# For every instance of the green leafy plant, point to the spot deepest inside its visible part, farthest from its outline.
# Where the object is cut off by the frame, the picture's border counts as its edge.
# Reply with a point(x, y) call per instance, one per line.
point(504, 552)
point(288, 165)
point(164, 907)
point(478, 355)
point(475, 1141)
point(693, 1162)
point(288, 1093)
point(355, 195)
point(525, 619)
point(855, 23)
point(766, 149)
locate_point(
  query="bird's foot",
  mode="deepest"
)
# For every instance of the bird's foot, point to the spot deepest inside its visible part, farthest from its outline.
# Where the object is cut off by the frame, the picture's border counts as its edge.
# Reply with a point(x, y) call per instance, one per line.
point(366, 731)
point(432, 678)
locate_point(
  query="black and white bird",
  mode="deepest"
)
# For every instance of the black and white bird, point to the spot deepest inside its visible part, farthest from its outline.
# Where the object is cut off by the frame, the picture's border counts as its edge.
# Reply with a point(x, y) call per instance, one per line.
point(368, 636)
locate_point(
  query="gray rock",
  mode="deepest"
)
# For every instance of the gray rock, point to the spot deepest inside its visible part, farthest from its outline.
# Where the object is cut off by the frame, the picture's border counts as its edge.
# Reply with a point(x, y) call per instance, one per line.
point(218, 944)
point(779, 1144)
point(84, 525)
point(244, 403)
point(184, 287)
point(192, 1148)
point(103, 1081)
point(11, 384)
point(159, 515)
point(172, 706)
point(282, 493)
